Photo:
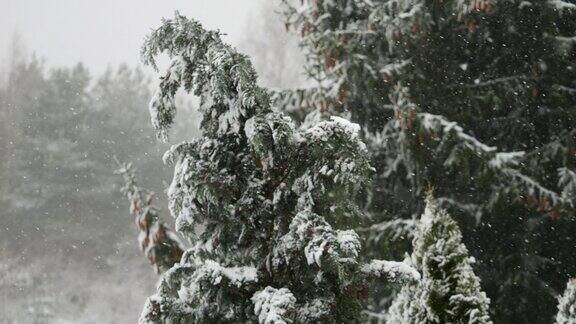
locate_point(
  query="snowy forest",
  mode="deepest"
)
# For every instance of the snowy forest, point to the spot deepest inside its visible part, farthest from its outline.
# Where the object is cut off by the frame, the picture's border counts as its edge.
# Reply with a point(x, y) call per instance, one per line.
point(343, 161)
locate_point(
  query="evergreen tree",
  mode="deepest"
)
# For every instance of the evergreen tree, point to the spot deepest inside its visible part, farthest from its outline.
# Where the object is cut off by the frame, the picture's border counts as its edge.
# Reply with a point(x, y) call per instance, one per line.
point(567, 305)
point(265, 206)
point(449, 291)
point(476, 98)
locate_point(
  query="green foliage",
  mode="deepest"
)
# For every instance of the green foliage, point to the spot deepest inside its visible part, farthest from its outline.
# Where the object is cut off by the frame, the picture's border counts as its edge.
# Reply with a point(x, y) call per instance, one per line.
point(473, 97)
point(265, 206)
point(449, 291)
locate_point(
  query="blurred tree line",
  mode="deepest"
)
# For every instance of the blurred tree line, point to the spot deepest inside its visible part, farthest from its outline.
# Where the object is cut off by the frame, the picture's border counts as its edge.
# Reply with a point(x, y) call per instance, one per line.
point(63, 221)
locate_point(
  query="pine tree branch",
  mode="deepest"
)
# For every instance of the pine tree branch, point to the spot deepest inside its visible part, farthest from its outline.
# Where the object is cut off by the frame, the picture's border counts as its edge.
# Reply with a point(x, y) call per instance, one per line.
point(159, 243)
point(202, 64)
point(390, 271)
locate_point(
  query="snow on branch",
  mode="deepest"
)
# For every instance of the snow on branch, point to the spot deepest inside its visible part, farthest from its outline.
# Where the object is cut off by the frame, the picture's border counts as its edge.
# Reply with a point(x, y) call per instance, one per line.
point(531, 186)
point(567, 182)
point(204, 65)
point(233, 276)
point(184, 288)
point(565, 45)
point(389, 231)
point(433, 122)
point(567, 304)
point(391, 271)
point(561, 5)
point(514, 79)
point(311, 234)
point(499, 162)
point(271, 305)
point(298, 102)
point(449, 138)
point(326, 129)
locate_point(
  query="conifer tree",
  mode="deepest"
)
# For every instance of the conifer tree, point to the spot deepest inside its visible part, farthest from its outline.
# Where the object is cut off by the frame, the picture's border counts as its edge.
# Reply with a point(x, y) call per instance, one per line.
point(476, 98)
point(266, 207)
point(449, 291)
point(567, 305)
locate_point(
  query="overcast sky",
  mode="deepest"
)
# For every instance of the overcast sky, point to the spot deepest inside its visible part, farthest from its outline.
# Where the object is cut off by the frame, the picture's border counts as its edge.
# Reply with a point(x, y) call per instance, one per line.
point(100, 33)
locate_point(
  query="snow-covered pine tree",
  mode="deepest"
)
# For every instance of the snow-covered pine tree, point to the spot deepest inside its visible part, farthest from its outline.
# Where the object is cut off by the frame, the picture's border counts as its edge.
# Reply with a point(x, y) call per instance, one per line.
point(477, 98)
point(160, 244)
point(567, 305)
point(449, 291)
point(264, 205)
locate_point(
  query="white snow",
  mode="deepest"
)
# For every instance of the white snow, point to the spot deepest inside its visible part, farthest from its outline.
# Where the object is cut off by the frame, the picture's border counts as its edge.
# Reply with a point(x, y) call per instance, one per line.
point(392, 270)
point(349, 243)
point(562, 5)
point(271, 305)
point(323, 130)
point(436, 122)
point(503, 159)
point(314, 251)
point(237, 276)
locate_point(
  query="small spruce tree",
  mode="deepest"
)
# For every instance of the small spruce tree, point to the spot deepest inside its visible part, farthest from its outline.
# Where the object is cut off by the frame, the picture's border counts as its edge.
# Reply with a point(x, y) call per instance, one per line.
point(567, 305)
point(449, 291)
point(265, 206)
